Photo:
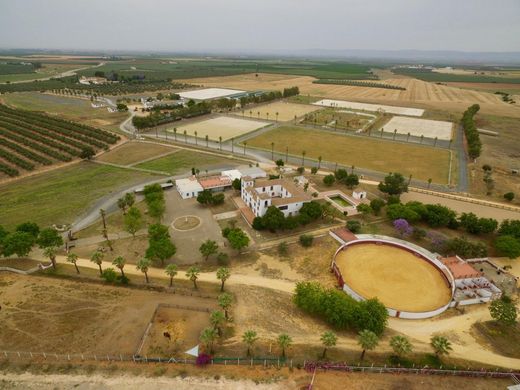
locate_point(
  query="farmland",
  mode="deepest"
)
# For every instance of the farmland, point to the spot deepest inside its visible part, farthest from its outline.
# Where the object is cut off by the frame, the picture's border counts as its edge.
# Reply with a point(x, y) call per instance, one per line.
point(30, 140)
point(60, 195)
point(17, 72)
point(134, 152)
point(468, 76)
point(361, 152)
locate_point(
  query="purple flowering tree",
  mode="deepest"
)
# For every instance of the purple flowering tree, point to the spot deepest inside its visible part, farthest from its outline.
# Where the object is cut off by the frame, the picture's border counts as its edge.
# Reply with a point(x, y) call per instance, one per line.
point(403, 227)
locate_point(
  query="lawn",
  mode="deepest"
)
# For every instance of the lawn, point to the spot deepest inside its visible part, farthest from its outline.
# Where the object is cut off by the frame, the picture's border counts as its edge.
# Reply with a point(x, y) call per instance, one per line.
point(59, 196)
point(503, 339)
point(384, 156)
point(75, 109)
point(135, 152)
point(185, 160)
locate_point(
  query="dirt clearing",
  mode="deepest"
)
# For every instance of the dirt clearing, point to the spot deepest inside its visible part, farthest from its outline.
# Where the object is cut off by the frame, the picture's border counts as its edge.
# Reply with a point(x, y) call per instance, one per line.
point(286, 111)
point(222, 126)
point(369, 107)
point(420, 127)
point(134, 152)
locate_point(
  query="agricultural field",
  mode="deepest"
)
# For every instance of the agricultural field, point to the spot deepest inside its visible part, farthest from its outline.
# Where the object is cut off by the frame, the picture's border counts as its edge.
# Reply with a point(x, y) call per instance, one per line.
point(340, 119)
point(369, 107)
point(17, 72)
point(420, 127)
point(61, 195)
point(279, 111)
point(29, 141)
point(462, 75)
point(363, 152)
point(75, 109)
point(226, 127)
point(208, 93)
point(134, 152)
point(184, 160)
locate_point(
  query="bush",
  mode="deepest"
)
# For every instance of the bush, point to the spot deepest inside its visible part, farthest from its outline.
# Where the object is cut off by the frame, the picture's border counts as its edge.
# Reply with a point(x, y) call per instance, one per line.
point(222, 258)
point(306, 240)
point(300, 170)
point(509, 196)
point(329, 180)
point(354, 226)
point(507, 246)
point(203, 359)
point(283, 249)
point(314, 170)
point(376, 205)
point(109, 274)
point(465, 248)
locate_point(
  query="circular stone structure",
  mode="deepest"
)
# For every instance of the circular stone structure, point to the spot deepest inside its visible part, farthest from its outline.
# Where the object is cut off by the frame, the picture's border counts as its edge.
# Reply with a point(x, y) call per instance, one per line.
point(185, 223)
point(410, 281)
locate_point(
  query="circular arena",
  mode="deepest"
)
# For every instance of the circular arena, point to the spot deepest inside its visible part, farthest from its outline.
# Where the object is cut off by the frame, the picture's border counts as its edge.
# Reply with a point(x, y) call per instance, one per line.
point(410, 281)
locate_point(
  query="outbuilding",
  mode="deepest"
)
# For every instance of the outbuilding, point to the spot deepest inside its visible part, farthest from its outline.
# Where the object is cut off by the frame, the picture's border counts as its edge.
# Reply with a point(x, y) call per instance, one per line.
point(188, 187)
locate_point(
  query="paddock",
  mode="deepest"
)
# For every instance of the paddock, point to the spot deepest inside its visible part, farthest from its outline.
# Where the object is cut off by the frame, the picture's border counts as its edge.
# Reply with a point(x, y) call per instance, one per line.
point(428, 128)
point(370, 107)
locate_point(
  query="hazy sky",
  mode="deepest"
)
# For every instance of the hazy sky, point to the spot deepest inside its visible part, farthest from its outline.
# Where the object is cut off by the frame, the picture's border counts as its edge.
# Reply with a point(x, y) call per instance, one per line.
point(234, 25)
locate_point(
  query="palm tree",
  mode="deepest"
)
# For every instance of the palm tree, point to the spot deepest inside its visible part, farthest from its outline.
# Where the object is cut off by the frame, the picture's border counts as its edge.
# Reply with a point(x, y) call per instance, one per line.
point(368, 340)
point(207, 140)
point(284, 341)
point(258, 114)
point(171, 271)
point(232, 145)
point(97, 258)
point(272, 151)
point(328, 339)
point(223, 274)
point(51, 254)
point(196, 142)
point(245, 145)
point(267, 114)
point(73, 258)
point(303, 158)
point(401, 345)
point(276, 116)
point(217, 319)
point(224, 301)
point(143, 265)
point(429, 183)
point(220, 143)
point(441, 345)
point(208, 337)
point(250, 113)
point(185, 136)
point(120, 262)
point(249, 338)
point(319, 161)
point(175, 133)
point(193, 274)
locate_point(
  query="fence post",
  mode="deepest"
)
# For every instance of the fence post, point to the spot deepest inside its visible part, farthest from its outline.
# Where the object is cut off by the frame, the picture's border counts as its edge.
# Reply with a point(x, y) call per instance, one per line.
point(121, 356)
point(19, 354)
point(251, 362)
point(68, 356)
point(44, 355)
point(31, 354)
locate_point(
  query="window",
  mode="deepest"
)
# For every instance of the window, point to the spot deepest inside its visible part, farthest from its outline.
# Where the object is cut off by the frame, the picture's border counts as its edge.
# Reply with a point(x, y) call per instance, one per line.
point(265, 203)
point(283, 207)
point(271, 188)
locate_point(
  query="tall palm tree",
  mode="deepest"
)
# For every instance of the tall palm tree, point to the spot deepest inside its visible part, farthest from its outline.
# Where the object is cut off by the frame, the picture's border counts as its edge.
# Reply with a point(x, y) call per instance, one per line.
point(193, 274)
point(250, 113)
point(249, 338)
point(171, 271)
point(217, 319)
point(303, 158)
point(220, 143)
point(284, 341)
point(185, 136)
point(73, 258)
point(286, 153)
point(276, 116)
point(258, 114)
point(208, 337)
point(272, 151)
point(143, 265)
point(120, 262)
point(97, 258)
point(225, 300)
point(50, 252)
point(223, 274)
point(175, 133)
point(328, 339)
point(245, 145)
point(368, 340)
point(319, 162)
point(196, 133)
point(207, 141)
point(401, 345)
point(441, 345)
point(267, 115)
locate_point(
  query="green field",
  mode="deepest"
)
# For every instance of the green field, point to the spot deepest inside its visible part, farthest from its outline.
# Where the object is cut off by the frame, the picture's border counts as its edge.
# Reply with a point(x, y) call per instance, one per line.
point(384, 156)
point(185, 160)
point(337, 120)
point(428, 75)
point(17, 72)
point(61, 195)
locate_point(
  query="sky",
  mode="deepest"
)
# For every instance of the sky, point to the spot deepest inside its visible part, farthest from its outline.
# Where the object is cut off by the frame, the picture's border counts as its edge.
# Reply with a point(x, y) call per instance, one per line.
point(260, 26)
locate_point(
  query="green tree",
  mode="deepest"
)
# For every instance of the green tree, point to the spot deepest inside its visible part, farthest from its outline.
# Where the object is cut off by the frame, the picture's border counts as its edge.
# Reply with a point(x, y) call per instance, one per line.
point(97, 258)
point(284, 341)
point(193, 274)
point(236, 184)
point(394, 184)
point(48, 238)
point(50, 252)
point(329, 180)
point(207, 338)
point(143, 265)
point(368, 341)
point(223, 274)
point(507, 246)
point(29, 227)
point(441, 345)
point(273, 219)
point(208, 248)
point(171, 271)
point(238, 239)
point(73, 259)
point(503, 310)
point(376, 205)
point(217, 320)
point(329, 339)
point(225, 300)
point(249, 338)
point(509, 196)
point(133, 221)
point(400, 345)
point(364, 209)
point(353, 225)
point(120, 262)
point(19, 243)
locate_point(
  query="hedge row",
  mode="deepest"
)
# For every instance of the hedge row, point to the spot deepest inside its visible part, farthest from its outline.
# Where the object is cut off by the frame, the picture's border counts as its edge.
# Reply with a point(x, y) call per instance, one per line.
point(471, 132)
point(34, 145)
point(6, 155)
point(8, 170)
point(25, 152)
point(358, 84)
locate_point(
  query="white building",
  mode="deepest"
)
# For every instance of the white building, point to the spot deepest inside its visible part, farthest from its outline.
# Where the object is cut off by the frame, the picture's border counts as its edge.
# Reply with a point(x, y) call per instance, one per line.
point(188, 188)
point(232, 174)
point(259, 195)
point(253, 172)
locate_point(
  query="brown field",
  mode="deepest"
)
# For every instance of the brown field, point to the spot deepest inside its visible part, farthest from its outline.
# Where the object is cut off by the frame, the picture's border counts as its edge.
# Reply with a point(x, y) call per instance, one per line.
point(418, 93)
point(396, 277)
point(286, 111)
point(46, 314)
point(363, 152)
point(134, 152)
point(491, 87)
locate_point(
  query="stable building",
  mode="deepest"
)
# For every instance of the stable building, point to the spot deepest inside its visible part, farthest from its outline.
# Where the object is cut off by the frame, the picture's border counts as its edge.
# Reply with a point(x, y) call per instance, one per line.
point(188, 187)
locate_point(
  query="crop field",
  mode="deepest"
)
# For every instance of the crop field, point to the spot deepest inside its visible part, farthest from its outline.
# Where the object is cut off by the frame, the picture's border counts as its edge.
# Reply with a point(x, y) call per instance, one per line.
point(339, 119)
point(224, 126)
point(61, 195)
point(281, 111)
point(75, 109)
point(134, 152)
point(420, 127)
point(418, 94)
point(184, 160)
point(16, 72)
point(465, 76)
point(363, 152)
point(29, 140)
point(369, 107)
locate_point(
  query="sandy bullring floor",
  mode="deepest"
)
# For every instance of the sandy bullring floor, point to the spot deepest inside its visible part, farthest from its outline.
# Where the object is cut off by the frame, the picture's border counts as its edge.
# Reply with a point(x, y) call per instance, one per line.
point(398, 278)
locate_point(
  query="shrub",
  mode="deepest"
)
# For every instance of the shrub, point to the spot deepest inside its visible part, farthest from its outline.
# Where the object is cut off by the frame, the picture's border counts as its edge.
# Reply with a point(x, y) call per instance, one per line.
point(507, 246)
point(109, 274)
point(376, 205)
point(203, 359)
point(306, 240)
point(222, 258)
point(329, 180)
point(300, 170)
point(509, 196)
point(354, 226)
point(314, 170)
point(283, 248)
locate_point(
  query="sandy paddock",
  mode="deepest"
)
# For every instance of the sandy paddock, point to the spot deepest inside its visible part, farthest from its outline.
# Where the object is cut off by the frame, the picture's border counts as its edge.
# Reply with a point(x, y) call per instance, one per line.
point(222, 126)
point(286, 111)
point(398, 278)
point(430, 129)
point(370, 107)
point(209, 93)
